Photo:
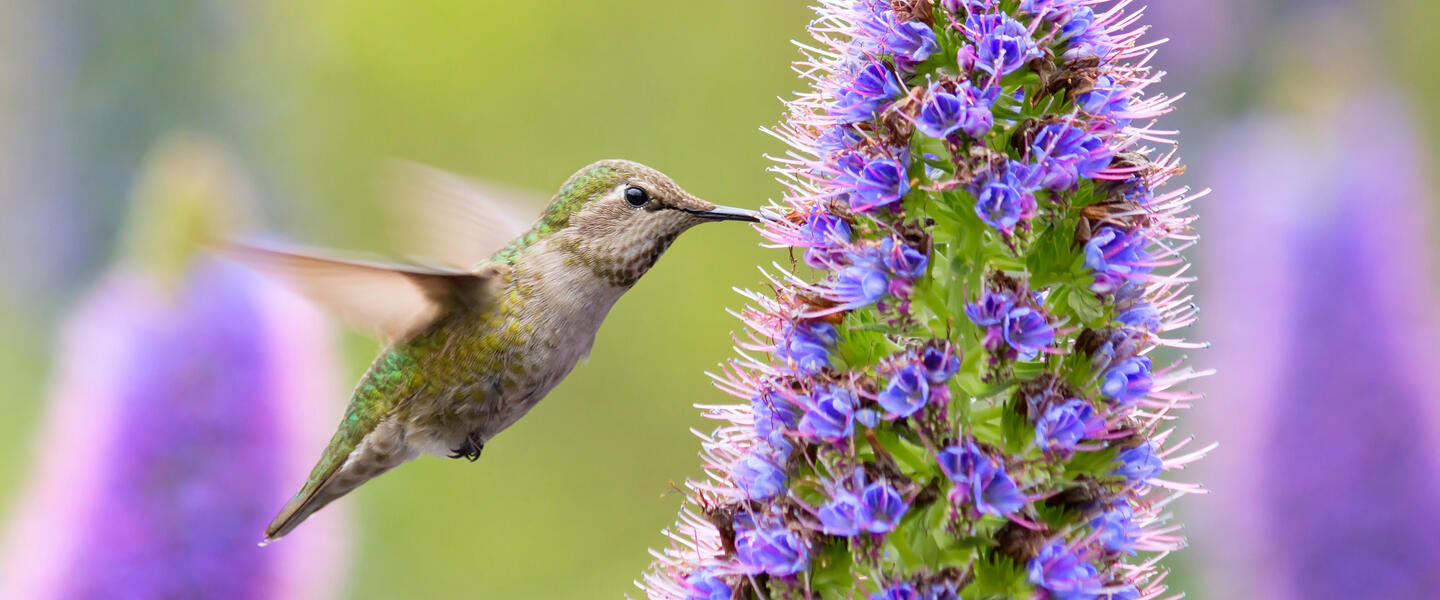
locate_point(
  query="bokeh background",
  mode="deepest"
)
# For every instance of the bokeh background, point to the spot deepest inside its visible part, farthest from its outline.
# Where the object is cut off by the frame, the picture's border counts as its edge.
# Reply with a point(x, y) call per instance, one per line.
point(1312, 121)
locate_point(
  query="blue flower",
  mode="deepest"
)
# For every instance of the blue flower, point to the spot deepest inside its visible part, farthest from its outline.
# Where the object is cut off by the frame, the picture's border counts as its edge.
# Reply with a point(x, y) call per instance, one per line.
point(1081, 35)
point(1064, 425)
point(1126, 592)
point(881, 183)
point(1128, 381)
point(991, 309)
point(980, 479)
point(841, 515)
point(1027, 331)
point(899, 591)
point(871, 89)
point(1063, 574)
point(967, 110)
point(1047, 9)
point(1002, 44)
point(902, 261)
point(879, 30)
point(769, 548)
point(824, 236)
point(940, 365)
point(831, 415)
point(940, 114)
point(881, 508)
point(1140, 314)
point(907, 391)
point(1003, 199)
point(704, 585)
point(912, 40)
point(1116, 256)
point(1140, 463)
point(1063, 153)
point(806, 346)
point(1117, 529)
point(860, 285)
point(773, 413)
point(758, 475)
point(837, 140)
point(1106, 98)
point(942, 591)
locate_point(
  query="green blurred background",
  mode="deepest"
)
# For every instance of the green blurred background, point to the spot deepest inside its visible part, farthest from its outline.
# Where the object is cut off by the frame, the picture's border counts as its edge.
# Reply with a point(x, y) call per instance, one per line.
point(314, 97)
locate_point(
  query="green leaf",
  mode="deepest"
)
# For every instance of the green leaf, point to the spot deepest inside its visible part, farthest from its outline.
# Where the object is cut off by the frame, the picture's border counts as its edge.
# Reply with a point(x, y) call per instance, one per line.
point(833, 573)
point(997, 577)
point(914, 460)
point(1087, 307)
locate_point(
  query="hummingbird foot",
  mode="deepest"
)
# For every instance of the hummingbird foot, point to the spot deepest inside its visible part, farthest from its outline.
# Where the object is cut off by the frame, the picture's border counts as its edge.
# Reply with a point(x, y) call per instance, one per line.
point(470, 449)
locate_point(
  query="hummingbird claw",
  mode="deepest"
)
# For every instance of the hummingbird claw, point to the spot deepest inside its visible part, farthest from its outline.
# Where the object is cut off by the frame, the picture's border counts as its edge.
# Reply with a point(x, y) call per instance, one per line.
point(470, 449)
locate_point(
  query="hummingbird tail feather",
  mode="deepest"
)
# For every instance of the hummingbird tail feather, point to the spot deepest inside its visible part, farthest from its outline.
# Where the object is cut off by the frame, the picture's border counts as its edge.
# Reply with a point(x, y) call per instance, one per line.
point(380, 451)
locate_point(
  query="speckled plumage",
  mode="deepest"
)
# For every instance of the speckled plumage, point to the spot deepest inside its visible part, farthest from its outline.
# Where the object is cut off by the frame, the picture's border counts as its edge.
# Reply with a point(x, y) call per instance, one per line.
point(488, 357)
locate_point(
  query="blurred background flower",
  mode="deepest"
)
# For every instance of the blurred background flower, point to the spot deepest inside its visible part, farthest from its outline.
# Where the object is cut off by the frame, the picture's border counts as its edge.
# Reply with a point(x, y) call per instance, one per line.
point(189, 395)
point(1282, 99)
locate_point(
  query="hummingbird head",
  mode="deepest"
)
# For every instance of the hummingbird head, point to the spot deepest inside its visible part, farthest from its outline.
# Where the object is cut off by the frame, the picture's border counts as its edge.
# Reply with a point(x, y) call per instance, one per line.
point(617, 217)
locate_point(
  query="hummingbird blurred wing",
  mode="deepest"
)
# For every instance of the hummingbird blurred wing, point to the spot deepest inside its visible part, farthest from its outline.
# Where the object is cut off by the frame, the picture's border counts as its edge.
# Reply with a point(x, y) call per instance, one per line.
point(391, 300)
point(453, 219)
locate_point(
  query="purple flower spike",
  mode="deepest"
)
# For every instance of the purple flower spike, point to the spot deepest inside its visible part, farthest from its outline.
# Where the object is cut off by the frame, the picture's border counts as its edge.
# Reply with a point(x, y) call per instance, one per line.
point(880, 184)
point(1004, 44)
point(1027, 331)
point(1063, 153)
point(1064, 575)
point(832, 416)
point(1140, 464)
point(1128, 381)
point(1066, 424)
point(881, 508)
point(1008, 152)
point(906, 393)
point(841, 515)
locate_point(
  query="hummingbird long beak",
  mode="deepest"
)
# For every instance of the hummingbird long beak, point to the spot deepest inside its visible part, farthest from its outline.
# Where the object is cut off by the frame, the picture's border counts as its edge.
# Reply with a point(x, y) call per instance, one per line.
point(726, 213)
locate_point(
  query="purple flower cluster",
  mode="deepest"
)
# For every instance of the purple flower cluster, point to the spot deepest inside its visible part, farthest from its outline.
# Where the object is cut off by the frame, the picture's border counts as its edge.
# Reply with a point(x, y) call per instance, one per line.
point(1012, 329)
point(966, 110)
point(946, 161)
point(980, 480)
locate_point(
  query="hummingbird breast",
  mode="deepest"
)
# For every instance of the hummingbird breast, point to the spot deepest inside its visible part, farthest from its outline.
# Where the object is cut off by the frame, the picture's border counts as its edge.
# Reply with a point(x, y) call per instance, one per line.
point(487, 368)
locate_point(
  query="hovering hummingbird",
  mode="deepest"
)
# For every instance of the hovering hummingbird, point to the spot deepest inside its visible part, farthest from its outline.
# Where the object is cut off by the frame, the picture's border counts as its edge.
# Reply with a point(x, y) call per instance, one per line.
point(473, 346)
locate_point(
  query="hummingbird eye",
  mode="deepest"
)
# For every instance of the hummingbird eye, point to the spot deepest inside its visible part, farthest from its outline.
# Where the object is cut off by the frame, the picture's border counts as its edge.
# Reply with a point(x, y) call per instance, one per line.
point(636, 196)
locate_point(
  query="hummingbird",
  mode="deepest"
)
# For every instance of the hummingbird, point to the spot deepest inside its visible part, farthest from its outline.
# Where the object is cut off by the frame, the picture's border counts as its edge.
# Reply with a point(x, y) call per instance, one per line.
point(473, 343)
